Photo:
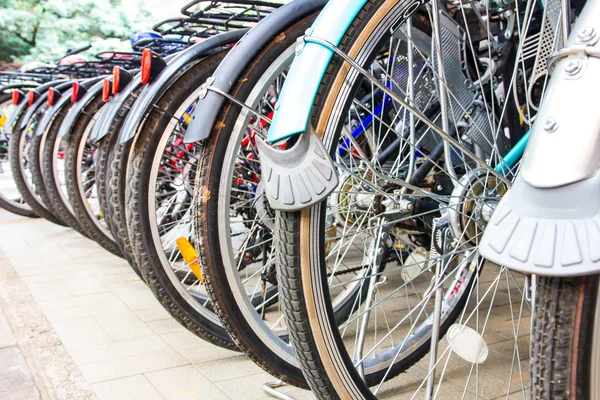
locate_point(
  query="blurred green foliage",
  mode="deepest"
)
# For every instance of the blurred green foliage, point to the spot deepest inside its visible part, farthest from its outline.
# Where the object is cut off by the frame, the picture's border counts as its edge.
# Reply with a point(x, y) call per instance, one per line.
point(43, 30)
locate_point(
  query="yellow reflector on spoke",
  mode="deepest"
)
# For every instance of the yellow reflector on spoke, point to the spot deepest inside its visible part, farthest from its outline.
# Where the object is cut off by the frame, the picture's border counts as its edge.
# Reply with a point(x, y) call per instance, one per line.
point(187, 118)
point(2, 121)
point(190, 256)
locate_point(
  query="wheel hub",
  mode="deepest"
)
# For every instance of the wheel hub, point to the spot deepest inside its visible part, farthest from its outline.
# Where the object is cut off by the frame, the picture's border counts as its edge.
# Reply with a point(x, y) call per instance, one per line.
point(473, 203)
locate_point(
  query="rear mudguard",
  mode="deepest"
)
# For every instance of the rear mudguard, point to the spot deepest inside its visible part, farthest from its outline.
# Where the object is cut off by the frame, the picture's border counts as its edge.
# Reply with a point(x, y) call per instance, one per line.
point(237, 60)
point(101, 122)
point(65, 97)
point(306, 73)
point(154, 91)
point(14, 117)
point(14, 86)
point(42, 91)
point(113, 108)
point(549, 221)
point(94, 89)
point(304, 174)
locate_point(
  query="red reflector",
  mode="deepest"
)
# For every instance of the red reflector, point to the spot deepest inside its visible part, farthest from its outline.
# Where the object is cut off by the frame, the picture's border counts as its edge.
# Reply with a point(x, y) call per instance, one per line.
point(116, 80)
point(146, 65)
point(16, 97)
point(50, 96)
point(75, 94)
point(31, 97)
point(106, 90)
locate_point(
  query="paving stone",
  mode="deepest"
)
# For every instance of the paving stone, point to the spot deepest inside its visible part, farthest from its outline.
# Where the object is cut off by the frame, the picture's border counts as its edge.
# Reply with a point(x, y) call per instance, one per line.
point(7, 338)
point(130, 388)
point(15, 377)
point(84, 286)
point(229, 368)
point(196, 350)
point(154, 313)
point(92, 310)
point(163, 326)
point(185, 383)
point(80, 333)
point(132, 365)
point(124, 326)
point(116, 350)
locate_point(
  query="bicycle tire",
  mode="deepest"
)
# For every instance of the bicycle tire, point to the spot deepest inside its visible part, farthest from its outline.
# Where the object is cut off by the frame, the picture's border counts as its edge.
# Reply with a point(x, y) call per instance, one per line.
point(139, 214)
point(16, 154)
point(76, 143)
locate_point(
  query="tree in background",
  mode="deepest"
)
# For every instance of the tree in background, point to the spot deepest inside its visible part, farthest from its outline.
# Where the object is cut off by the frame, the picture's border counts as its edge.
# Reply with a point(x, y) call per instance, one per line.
point(43, 30)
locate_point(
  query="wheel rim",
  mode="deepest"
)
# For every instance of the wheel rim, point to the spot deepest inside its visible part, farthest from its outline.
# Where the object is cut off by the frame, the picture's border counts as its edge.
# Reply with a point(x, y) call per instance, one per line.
point(188, 286)
point(86, 180)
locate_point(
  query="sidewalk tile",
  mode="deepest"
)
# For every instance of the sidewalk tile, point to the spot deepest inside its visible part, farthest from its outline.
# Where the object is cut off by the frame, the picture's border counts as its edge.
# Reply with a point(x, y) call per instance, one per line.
point(131, 388)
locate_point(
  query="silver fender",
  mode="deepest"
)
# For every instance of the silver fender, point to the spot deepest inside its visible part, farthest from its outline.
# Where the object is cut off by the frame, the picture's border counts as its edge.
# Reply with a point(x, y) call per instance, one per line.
point(549, 222)
point(300, 177)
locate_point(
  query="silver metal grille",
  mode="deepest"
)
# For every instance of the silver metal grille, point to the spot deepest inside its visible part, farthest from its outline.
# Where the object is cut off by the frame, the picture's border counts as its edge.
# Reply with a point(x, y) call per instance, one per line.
point(550, 39)
point(465, 109)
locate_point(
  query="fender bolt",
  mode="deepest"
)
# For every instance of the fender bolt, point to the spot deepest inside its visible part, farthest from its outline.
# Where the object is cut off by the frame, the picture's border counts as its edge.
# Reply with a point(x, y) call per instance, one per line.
point(550, 125)
point(573, 67)
point(586, 34)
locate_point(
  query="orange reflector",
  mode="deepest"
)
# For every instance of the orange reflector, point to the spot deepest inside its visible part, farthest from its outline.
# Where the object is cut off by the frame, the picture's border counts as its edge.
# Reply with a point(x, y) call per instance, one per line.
point(16, 97)
point(106, 90)
point(190, 256)
point(50, 96)
point(146, 65)
point(2, 121)
point(75, 94)
point(31, 97)
point(116, 80)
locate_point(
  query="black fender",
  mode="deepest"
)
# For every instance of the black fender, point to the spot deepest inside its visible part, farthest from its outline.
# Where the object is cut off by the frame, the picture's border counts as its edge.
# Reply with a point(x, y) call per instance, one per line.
point(41, 100)
point(14, 117)
point(101, 122)
point(94, 88)
point(116, 103)
point(65, 90)
point(228, 72)
point(14, 86)
point(154, 91)
point(18, 110)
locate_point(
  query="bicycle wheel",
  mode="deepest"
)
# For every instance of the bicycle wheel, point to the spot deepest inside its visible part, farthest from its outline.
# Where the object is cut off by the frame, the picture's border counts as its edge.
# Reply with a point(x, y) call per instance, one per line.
point(53, 171)
point(234, 222)
point(116, 184)
point(20, 156)
point(80, 173)
point(158, 202)
point(10, 198)
point(234, 227)
point(408, 211)
point(36, 152)
point(108, 178)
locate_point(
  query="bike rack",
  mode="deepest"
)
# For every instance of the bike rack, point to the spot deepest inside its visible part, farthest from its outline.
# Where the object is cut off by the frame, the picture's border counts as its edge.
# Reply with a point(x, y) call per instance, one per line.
point(270, 388)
